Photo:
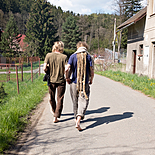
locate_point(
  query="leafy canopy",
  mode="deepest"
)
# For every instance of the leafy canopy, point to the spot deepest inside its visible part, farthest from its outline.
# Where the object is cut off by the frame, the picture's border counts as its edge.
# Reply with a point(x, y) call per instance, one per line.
point(70, 33)
point(10, 39)
point(41, 29)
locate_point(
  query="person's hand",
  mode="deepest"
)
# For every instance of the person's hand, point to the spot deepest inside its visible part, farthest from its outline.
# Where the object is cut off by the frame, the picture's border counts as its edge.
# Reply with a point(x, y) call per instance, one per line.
point(45, 70)
point(68, 80)
point(90, 82)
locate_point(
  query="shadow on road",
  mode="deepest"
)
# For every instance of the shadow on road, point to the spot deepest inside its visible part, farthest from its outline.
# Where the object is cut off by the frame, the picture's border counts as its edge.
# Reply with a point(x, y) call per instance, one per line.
point(107, 119)
point(64, 120)
point(100, 110)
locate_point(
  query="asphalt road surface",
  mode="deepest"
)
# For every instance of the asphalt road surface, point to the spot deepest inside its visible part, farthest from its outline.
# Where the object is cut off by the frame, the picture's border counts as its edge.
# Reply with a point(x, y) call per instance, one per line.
point(118, 121)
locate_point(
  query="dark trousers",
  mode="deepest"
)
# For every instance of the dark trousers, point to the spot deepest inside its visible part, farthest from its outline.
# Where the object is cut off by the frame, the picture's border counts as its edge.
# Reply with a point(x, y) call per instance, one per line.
point(57, 107)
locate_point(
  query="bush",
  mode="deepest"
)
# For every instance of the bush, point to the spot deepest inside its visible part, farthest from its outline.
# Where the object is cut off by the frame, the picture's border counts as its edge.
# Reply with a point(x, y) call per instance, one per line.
point(2, 93)
point(68, 52)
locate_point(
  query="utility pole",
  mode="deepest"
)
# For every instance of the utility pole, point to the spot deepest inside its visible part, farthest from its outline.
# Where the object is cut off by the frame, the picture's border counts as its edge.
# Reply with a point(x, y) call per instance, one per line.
point(114, 40)
point(119, 45)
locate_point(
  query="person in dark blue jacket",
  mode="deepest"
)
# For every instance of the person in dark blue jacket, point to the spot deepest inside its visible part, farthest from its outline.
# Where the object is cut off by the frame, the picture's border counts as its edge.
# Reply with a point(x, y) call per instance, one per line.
point(80, 64)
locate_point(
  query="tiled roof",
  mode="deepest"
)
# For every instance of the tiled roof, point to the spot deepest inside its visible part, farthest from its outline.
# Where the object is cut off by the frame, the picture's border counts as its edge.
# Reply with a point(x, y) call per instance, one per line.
point(21, 41)
point(22, 44)
point(139, 15)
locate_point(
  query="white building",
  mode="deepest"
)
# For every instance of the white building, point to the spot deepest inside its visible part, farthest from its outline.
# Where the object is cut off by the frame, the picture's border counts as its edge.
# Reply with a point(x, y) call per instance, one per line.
point(141, 41)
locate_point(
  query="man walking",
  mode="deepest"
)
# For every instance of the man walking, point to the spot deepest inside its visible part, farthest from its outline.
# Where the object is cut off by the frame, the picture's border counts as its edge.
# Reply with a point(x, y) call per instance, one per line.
point(80, 64)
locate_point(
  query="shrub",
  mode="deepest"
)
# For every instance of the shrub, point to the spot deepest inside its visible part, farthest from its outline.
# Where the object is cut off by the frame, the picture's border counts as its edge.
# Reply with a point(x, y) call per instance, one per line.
point(2, 93)
point(68, 52)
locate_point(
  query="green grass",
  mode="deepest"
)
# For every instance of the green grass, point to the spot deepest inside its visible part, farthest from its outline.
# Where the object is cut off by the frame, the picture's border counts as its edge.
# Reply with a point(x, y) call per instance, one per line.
point(142, 83)
point(15, 108)
point(26, 77)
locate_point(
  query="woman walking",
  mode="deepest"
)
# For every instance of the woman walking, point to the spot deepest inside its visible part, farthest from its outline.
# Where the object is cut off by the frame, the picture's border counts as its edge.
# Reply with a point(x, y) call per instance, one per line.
point(56, 62)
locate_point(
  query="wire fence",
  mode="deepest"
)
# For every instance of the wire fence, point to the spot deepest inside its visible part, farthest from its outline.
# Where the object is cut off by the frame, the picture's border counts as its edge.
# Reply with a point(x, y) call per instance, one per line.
point(24, 71)
point(109, 64)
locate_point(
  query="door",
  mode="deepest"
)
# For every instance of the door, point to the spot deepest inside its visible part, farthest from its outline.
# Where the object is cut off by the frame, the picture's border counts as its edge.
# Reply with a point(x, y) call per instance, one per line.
point(134, 61)
point(153, 74)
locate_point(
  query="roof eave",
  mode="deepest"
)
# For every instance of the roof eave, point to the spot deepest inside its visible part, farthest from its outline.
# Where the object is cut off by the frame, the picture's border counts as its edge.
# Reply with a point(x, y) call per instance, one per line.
point(125, 26)
point(128, 22)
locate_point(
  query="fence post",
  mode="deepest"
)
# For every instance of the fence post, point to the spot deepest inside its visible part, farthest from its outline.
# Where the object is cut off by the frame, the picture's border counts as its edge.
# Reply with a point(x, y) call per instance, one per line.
point(31, 71)
point(39, 66)
point(17, 79)
point(8, 73)
point(22, 71)
point(7, 70)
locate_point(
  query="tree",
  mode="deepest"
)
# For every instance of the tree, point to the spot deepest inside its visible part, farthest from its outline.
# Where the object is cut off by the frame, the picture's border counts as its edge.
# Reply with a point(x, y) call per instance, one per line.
point(25, 5)
point(2, 19)
point(83, 25)
point(120, 11)
point(98, 25)
point(10, 5)
point(125, 10)
point(58, 13)
point(70, 33)
point(10, 39)
point(41, 30)
point(131, 7)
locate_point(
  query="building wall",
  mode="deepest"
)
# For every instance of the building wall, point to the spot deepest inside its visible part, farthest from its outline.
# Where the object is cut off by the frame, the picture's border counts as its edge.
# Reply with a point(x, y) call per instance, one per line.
point(135, 39)
point(149, 41)
point(131, 48)
point(142, 34)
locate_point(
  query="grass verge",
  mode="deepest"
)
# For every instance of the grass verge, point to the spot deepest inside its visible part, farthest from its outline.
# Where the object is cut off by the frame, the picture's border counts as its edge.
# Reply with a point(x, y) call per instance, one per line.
point(15, 108)
point(142, 83)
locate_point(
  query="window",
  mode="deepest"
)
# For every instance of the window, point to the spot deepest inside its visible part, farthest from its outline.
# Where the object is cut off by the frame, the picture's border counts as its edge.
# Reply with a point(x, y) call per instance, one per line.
point(141, 50)
point(152, 7)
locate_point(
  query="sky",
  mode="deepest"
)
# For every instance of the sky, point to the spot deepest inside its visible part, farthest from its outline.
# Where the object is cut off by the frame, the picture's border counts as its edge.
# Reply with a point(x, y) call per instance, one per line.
point(87, 6)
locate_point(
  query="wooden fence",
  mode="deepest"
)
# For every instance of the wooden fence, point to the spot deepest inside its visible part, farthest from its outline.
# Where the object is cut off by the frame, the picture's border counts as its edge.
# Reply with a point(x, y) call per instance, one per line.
point(6, 70)
point(19, 60)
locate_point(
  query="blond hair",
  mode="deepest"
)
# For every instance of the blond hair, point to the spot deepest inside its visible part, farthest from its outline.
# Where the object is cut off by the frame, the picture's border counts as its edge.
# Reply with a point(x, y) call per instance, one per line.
point(59, 46)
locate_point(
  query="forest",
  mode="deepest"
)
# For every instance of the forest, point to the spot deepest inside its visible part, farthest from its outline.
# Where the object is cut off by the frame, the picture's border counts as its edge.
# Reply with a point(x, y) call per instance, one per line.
point(44, 23)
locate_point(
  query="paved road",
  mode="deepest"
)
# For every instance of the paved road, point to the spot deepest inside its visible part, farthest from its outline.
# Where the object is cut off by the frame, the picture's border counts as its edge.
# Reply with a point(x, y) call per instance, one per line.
point(119, 121)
